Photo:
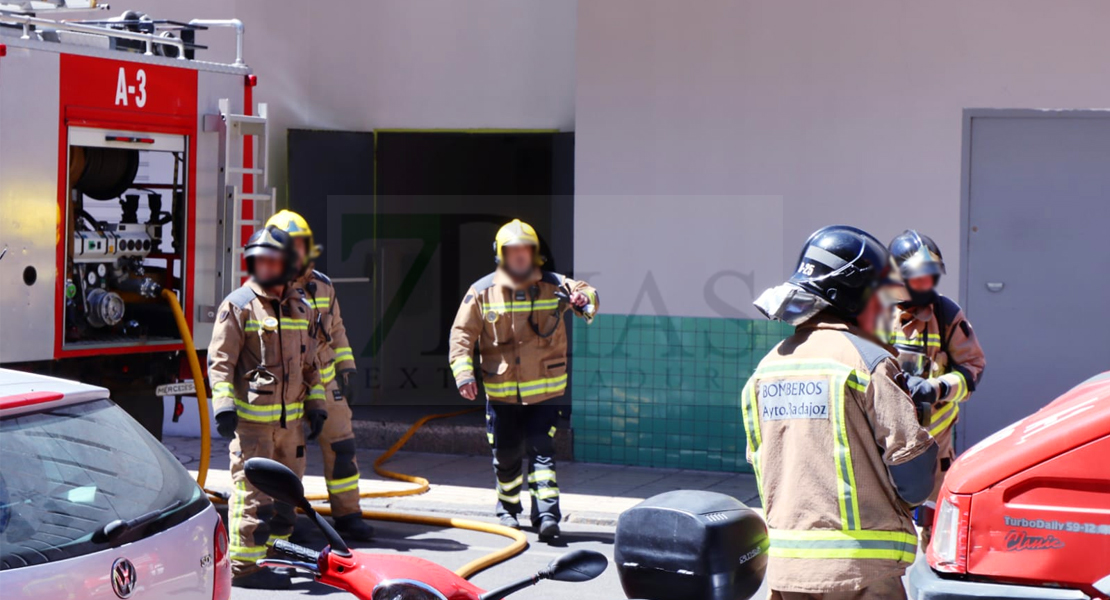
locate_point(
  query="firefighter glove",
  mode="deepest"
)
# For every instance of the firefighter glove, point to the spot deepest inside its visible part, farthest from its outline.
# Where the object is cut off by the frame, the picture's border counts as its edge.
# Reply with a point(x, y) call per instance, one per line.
point(346, 384)
point(316, 420)
point(922, 390)
point(226, 422)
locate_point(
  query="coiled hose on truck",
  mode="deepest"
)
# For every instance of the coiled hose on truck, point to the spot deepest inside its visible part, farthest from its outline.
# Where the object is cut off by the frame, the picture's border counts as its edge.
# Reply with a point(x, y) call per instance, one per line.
point(520, 542)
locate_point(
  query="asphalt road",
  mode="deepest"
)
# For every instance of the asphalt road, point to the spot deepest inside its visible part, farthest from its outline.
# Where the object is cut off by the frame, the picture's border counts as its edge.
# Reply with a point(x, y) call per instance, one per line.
point(453, 548)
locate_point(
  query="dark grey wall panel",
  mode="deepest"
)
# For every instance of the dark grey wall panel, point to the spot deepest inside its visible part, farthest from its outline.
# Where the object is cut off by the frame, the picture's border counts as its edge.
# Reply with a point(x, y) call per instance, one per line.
point(328, 163)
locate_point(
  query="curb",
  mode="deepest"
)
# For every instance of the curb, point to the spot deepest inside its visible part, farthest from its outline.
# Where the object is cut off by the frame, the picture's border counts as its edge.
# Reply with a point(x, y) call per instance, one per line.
point(443, 437)
point(600, 519)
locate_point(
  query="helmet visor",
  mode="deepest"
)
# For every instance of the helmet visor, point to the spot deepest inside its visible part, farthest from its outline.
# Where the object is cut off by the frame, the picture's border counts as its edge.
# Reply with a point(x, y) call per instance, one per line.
point(912, 269)
point(256, 251)
point(923, 262)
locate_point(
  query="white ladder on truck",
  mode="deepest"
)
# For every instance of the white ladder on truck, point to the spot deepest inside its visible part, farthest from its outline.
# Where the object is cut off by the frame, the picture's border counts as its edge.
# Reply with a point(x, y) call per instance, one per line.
point(233, 131)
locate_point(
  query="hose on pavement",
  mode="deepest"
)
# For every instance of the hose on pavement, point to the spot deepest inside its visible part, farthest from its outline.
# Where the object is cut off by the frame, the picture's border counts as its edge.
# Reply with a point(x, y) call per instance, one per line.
point(520, 542)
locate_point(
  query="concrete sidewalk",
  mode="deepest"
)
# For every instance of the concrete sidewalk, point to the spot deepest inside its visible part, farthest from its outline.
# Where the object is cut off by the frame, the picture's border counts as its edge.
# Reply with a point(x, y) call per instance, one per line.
point(463, 485)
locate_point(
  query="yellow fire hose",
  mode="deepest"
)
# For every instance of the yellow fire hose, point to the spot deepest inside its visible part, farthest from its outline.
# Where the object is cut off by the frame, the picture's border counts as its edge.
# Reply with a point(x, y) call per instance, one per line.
point(520, 542)
point(198, 381)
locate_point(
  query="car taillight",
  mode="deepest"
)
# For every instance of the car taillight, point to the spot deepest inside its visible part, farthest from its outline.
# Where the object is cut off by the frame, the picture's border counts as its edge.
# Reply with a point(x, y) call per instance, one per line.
point(948, 549)
point(221, 567)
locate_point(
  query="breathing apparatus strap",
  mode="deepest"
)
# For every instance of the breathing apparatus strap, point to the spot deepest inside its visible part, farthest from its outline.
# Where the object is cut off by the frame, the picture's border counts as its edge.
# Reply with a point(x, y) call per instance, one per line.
point(534, 292)
point(942, 322)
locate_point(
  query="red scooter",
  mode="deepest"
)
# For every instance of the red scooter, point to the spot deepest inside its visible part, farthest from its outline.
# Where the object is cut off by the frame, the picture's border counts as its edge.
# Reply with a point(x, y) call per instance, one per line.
point(384, 576)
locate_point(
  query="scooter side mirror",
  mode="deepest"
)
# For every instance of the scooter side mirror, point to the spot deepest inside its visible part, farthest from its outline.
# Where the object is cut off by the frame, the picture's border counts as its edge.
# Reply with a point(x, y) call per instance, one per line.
point(275, 480)
point(577, 566)
point(282, 484)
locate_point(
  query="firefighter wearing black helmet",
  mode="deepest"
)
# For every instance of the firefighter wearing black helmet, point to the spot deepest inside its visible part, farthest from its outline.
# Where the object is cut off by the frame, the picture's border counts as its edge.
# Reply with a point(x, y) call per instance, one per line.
point(261, 366)
point(937, 348)
point(832, 434)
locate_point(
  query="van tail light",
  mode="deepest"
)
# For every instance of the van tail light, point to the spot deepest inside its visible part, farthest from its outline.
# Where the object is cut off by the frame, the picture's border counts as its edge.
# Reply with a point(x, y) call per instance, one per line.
point(221, 567)
point(947, 551)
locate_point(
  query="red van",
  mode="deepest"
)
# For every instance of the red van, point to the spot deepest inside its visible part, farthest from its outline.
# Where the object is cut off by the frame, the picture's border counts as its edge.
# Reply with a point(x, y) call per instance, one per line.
point(1026, 512)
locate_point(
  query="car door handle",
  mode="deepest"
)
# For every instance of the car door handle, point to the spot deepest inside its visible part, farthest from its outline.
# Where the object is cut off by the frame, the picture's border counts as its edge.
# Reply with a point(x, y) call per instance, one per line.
point(995, 286)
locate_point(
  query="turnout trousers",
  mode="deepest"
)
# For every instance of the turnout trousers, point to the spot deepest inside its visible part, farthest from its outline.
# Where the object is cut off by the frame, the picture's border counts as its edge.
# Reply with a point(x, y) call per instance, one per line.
point(887, 589)
point(256, 520)
point(519, 432)
point(337, 444)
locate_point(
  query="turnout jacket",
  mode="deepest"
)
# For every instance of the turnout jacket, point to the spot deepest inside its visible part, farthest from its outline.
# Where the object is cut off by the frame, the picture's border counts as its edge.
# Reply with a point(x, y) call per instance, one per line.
point(826, 420)
point(937, 342)
point(261, 360)
point(334, 354)
point(517, 330)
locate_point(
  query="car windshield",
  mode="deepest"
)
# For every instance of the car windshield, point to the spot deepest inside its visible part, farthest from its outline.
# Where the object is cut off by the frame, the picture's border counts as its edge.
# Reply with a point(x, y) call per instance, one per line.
point(67, 472)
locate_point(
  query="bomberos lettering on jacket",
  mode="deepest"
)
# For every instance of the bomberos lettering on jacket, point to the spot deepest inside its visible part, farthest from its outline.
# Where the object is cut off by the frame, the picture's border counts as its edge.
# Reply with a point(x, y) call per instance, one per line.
point(793, 399)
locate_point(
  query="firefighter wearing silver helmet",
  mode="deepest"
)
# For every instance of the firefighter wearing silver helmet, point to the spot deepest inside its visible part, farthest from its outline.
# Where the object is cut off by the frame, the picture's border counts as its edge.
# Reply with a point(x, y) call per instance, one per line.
point(832, 435)
point(936, 346)
point(261, 366)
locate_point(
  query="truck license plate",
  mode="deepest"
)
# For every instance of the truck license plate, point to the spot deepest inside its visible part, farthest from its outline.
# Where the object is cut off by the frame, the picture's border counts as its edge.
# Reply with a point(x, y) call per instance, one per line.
point(184, 388)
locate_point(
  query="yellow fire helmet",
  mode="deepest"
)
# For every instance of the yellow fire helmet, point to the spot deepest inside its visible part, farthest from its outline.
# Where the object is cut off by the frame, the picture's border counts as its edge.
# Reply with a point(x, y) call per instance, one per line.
point(297, 227)
point(517, 233)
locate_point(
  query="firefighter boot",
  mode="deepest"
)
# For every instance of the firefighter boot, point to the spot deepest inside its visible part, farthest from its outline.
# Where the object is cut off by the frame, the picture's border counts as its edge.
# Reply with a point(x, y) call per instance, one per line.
point(548, 529)
point(510, 521)
point(352, 527)
point(263, 579)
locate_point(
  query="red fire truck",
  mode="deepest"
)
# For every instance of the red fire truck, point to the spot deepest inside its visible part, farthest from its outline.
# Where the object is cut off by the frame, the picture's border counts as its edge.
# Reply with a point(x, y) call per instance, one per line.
point(129, 163)
point(1026, 512)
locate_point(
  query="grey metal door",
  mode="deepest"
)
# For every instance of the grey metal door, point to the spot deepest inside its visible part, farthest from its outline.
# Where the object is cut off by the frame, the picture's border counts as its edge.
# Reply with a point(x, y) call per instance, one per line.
point(1037, 261)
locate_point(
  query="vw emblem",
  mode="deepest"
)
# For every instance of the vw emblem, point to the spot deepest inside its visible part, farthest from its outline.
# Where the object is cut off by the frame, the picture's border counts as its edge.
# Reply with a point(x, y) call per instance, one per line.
point(123, 577)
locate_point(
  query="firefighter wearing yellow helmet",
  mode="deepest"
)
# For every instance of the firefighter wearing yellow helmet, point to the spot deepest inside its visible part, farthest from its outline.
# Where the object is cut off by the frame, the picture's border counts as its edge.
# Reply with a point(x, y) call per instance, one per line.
point(513, 318)
point(337, 381)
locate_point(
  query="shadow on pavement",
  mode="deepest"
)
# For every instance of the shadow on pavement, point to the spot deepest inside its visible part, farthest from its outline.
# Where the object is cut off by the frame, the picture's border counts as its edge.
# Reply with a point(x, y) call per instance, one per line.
point(308, 587)
point(387, 536)
point(569, 538)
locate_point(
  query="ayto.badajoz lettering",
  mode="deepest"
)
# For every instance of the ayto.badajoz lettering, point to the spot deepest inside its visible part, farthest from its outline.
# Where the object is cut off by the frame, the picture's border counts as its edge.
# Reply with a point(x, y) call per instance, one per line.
point(794, 399)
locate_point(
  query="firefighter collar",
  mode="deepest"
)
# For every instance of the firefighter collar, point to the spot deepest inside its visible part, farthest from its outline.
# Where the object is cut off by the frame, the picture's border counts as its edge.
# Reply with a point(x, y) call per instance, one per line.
point(291, 292)
point(501, 278)
point(835, 323)
point(918, 313)
point(259, 290)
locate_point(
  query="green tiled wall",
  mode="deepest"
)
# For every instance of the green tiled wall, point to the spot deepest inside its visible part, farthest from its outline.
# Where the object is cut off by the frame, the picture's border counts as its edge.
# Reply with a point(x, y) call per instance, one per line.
point(665, 391)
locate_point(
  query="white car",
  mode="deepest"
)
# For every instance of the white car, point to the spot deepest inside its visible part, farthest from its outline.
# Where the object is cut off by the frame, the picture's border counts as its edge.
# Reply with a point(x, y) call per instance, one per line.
point(92, 506)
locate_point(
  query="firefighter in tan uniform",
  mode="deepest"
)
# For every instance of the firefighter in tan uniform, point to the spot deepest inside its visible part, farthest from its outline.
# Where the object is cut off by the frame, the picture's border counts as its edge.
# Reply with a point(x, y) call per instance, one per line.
point(261, 366)
point(835, 442)
point(336, 361)
point(936, 346)
point(513, 318)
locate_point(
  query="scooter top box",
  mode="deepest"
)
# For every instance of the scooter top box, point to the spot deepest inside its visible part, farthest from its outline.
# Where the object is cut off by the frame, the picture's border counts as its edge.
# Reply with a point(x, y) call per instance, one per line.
point(691, 545)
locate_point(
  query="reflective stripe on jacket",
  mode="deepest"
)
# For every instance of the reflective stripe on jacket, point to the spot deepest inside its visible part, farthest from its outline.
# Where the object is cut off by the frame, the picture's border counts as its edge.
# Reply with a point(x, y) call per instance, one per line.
point(334, 354)
point(519, 334)
point(260, 359)
point(825, 417)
